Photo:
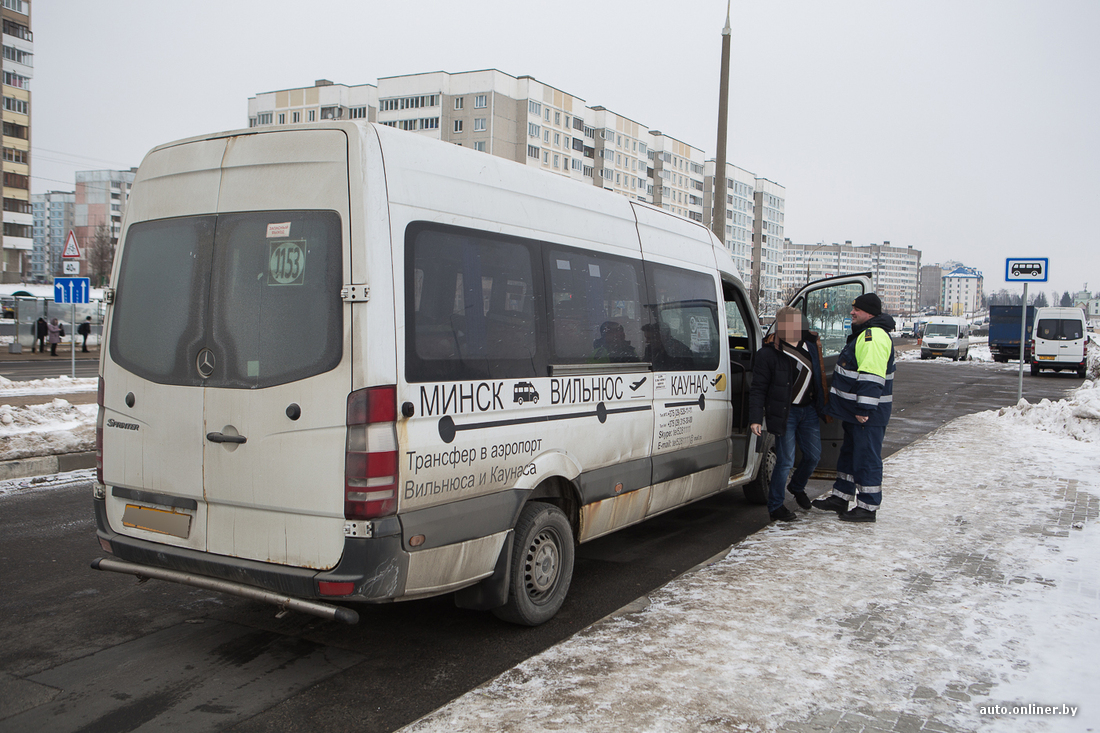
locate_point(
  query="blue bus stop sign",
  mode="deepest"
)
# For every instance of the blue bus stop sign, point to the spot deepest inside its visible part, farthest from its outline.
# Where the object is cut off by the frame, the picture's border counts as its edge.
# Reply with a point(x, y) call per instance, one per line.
point(71, 289)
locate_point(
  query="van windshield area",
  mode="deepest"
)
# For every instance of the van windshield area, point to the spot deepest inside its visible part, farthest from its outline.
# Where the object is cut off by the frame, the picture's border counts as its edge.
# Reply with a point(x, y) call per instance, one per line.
point(1059, 329)
point(941, 330)
point(241, 300)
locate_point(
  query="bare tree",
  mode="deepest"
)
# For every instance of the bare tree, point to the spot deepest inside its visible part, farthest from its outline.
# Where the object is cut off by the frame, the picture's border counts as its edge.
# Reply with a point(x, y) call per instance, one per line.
point(100, 256)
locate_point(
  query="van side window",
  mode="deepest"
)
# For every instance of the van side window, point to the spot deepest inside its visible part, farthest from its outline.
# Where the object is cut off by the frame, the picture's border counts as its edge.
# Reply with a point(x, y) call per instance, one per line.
point(596, 308)
point(470, 310)
point(683, 333)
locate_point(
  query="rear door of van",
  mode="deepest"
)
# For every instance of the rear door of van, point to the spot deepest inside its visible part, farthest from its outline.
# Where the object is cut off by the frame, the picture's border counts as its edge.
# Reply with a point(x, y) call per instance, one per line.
point(230, 331)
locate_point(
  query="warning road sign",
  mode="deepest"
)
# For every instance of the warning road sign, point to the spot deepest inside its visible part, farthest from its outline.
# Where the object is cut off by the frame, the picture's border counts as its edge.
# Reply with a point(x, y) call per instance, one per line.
point(72, 249)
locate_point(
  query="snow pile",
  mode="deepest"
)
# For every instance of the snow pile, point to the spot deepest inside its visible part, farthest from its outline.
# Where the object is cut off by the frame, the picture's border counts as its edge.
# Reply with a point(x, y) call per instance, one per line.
point(1077, 416)
point(971, 591)
point(54, 385)
point(44, 430)
point(52, 481)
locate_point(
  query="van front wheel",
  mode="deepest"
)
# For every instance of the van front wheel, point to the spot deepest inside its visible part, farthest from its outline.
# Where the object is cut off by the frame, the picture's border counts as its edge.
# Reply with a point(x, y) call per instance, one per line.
point(542, 565)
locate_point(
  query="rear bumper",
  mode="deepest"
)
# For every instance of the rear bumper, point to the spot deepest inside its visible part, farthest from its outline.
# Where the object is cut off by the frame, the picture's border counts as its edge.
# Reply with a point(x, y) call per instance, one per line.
point(1054, 364)
point(376, 566)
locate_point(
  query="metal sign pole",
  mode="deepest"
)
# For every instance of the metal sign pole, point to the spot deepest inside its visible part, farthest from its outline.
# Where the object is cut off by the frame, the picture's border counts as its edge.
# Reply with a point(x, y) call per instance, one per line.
point(1023, 344)
point(72, 337)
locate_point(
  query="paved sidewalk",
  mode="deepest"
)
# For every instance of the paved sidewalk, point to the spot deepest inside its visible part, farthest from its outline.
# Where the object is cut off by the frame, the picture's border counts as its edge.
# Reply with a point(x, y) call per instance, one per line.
point(976, 592)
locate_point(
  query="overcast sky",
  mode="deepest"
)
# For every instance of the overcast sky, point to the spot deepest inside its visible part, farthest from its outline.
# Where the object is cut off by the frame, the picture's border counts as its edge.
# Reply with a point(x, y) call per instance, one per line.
point(965, 128)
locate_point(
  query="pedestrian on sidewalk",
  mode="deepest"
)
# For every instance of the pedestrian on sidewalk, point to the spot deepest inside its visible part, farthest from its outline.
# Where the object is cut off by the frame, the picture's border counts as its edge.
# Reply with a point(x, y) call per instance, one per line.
point(84, 329)
point(41, 331)
point(56, 332)
point(788, 395)
point(862, 396)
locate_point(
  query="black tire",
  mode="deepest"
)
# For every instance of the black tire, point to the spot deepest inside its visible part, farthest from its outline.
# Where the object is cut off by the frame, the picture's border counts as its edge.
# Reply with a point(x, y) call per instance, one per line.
point(756, 491)
point(1034, 370)
point(542, 565)
point(1082, 372)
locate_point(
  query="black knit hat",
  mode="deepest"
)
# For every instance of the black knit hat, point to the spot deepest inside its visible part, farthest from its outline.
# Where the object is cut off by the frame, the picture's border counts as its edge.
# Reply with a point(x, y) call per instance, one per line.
point(868, 303)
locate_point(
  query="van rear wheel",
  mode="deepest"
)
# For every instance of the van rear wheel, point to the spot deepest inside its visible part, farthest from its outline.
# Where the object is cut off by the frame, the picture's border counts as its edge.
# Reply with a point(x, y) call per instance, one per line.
point(542, 565)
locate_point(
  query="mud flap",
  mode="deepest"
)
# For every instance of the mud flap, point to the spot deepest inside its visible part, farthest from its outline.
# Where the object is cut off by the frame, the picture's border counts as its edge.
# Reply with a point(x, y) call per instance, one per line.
point(492, 592)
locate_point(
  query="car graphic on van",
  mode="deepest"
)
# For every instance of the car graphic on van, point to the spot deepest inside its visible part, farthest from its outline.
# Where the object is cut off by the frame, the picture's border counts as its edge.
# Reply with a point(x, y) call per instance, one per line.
point(524, 392)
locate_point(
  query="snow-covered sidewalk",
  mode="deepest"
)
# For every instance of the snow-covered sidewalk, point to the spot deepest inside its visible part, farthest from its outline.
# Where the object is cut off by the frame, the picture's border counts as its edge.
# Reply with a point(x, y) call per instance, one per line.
point(975, 595)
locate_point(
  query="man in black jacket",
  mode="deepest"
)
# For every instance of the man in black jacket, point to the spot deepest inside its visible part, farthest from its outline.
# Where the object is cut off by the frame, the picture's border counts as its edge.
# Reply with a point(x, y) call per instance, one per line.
point(788, 395)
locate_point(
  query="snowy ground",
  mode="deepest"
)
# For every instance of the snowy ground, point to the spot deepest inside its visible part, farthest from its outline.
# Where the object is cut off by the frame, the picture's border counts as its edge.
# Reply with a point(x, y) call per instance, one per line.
point(975, 593)
point(45, 430)
point(50, 482)
point(48, 429)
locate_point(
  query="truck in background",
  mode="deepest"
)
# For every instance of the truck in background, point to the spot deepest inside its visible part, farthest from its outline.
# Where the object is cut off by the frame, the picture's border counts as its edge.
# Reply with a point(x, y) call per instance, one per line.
point(1004, 332)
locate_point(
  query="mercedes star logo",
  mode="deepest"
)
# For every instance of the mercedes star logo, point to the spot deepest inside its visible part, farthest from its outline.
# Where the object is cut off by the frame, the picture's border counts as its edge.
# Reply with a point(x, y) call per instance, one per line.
point(205, 363)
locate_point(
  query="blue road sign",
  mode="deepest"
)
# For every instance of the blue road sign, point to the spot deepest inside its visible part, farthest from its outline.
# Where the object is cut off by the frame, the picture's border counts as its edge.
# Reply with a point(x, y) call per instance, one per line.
point(71, 289)
point(1026, 269)
point(847, 323)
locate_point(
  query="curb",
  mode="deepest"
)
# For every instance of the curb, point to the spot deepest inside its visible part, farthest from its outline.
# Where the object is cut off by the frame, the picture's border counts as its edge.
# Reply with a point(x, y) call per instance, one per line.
point(44, 465)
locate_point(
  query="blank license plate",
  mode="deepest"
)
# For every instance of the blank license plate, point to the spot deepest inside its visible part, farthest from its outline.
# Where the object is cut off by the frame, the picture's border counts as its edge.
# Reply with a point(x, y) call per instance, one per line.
point(161, 521)
point(1049, 358)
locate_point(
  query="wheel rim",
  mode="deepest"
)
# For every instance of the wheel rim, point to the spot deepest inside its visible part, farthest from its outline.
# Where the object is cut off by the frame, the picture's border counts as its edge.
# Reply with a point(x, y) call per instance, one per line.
point(542, 565)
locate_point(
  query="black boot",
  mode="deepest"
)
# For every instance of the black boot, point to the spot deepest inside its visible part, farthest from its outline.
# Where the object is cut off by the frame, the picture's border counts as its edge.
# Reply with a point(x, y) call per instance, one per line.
point(830, 504)
point(802, 499)
point(783, 514)
point(859, 514)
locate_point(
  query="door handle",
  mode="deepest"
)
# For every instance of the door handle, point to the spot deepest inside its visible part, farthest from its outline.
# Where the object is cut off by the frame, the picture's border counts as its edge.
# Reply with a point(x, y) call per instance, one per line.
point(221, 438)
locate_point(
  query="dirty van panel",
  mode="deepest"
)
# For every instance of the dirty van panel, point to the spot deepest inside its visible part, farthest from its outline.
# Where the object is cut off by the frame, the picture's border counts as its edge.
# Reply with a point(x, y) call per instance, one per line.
point(177, 180)
point(294, 169)
point(152, 397)
point(276, 332)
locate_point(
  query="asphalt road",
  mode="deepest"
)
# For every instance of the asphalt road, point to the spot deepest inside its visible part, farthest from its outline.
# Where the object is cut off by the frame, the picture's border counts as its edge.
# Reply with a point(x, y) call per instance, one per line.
point(20, 371)
point(87, 651)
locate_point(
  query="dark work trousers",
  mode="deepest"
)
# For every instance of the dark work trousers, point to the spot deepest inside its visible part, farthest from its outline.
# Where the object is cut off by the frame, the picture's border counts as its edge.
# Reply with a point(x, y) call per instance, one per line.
point(803, 429)
point(859, 467)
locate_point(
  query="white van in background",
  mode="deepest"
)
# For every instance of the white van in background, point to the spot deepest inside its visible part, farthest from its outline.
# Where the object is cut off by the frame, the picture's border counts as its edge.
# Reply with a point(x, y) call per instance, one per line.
point(945, 336)
point(1060, 341)
point(352, 363)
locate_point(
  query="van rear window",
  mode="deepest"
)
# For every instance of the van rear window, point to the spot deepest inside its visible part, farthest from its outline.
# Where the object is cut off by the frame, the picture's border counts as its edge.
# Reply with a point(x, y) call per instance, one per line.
point(1059, 329)
point(254, 295)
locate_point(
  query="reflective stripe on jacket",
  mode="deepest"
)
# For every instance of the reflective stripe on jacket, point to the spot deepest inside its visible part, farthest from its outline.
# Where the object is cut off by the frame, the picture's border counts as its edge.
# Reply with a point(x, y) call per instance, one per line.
point(863, 380)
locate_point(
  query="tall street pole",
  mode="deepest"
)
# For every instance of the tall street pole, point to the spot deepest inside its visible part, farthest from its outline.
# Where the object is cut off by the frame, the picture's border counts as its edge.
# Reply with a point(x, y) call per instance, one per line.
point(718, 210)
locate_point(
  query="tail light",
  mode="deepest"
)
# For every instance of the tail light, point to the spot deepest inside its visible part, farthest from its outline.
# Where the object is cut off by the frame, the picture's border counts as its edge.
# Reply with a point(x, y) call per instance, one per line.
point(99, 433)
point(370, 463)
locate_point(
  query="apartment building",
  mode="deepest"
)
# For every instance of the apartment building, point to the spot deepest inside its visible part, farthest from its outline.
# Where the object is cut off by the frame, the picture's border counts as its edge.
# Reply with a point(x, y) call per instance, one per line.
point(740, 207)
point(53, 214)
point(896, 271)
point(322, 101)
point(99, 201)
point(769, 203)
point(962, 291)
point(531, 122)
point(931, 286)
point(17, 65)
point(679, 177)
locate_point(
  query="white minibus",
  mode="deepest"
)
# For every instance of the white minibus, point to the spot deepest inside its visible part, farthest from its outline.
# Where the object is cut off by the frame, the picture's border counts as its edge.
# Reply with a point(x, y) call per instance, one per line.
point(945, 336)
point(1060, 341)
point(346, 363)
